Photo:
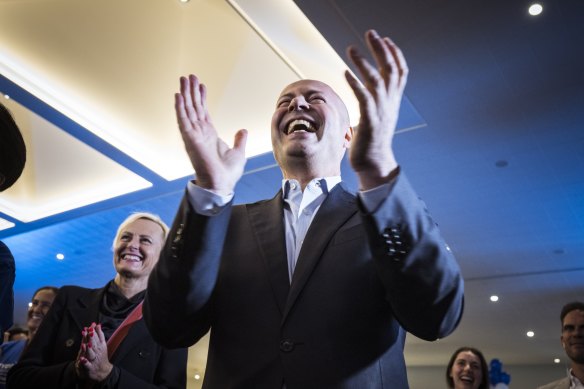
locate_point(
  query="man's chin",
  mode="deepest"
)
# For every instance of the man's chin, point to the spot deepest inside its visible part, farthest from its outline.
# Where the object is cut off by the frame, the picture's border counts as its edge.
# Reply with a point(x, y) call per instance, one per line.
point(577, 357)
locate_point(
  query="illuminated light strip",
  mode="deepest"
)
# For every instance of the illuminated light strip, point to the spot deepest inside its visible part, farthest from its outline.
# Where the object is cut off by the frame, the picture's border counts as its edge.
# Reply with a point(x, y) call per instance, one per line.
point(5, 224)
point(66, 103)
point(276, 23)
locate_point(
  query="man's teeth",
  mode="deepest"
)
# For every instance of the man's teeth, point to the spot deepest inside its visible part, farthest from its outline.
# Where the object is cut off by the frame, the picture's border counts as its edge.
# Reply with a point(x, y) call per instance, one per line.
point(300, 125)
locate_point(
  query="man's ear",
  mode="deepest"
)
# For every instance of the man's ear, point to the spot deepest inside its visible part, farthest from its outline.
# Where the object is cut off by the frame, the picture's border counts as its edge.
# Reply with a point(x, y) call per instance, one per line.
point(348, 137)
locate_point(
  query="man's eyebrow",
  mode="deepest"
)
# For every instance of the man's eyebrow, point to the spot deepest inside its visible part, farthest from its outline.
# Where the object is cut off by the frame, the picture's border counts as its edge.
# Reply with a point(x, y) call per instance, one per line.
point(307, 92)
point(285, 95)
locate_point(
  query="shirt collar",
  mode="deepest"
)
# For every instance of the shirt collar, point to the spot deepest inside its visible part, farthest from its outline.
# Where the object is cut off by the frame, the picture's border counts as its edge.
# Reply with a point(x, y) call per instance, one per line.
point(326, 184)
point(574, 381)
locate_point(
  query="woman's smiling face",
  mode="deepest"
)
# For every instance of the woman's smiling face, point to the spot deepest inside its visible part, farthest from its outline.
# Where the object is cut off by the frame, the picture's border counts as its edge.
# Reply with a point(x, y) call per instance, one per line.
point(466, 371)
point(137, 248)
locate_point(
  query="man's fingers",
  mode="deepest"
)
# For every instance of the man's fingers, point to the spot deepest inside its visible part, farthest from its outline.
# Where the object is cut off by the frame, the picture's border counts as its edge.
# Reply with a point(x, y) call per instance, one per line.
point(381, 50)
point(240, 140)
point(199, 94)
point(400, 60)
point(185, 91)
point(356, 86)
point(361, 93)
point(179, 108)
point(371, 77)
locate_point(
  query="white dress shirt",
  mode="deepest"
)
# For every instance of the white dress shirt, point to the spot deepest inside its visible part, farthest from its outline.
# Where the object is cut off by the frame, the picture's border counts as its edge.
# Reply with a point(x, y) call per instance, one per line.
point(575, 383)
point(299, 207)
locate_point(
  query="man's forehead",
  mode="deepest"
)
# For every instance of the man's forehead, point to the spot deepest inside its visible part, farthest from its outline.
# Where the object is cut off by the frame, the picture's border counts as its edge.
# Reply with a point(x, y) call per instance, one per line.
point(575, 315)
point(305, 86)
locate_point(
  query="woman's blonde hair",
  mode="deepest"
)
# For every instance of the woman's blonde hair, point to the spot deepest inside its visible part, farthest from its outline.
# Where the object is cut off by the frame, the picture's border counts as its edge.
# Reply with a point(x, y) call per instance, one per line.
point(142, 215)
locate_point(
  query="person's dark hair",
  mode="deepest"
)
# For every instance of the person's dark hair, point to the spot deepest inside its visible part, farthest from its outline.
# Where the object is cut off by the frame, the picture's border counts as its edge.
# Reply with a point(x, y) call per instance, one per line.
point(484, 367)
point(16, 331)
point(12, 150)
point(573, 306)
point(53, 289)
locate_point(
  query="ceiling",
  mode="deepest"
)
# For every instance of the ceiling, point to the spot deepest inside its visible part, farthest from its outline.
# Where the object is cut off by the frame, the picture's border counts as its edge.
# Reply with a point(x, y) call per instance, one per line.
point(491, 134)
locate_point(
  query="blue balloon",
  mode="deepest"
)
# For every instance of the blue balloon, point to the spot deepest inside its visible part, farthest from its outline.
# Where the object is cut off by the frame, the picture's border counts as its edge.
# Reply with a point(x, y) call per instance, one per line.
point(496, 373)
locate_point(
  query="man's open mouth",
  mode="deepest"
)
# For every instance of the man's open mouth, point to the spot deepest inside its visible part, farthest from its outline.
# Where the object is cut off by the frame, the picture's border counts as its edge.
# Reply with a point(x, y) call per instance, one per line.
point(300, 125)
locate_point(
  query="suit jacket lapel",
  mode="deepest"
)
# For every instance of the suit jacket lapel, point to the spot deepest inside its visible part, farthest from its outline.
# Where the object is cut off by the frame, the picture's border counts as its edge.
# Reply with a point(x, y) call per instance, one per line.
point(337, 208)
point(267, 220)
point(87, 309)
point(134, 336)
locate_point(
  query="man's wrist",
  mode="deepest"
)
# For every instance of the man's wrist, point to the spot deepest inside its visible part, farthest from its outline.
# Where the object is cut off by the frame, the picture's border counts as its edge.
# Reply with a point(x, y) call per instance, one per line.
point(369, 181)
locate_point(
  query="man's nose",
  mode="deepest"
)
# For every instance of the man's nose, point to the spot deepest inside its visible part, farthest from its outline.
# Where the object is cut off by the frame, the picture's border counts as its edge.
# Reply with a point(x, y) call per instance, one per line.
point(297, 103)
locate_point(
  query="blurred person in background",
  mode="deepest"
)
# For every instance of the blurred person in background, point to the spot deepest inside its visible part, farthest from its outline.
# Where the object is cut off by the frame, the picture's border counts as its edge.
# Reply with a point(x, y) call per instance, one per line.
point(467, 369)
point(96, 337)
point(12, 160)
point(15, 333)
point(10, 352)
point(572, 339)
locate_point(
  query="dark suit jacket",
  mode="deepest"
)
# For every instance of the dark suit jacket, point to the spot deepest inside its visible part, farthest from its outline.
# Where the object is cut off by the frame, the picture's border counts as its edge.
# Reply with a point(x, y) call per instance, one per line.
point(7, 276)
point(48, 362)
point(360, 281)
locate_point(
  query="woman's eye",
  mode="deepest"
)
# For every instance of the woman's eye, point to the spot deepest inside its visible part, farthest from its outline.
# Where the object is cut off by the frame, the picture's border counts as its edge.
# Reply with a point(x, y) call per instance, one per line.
point(283, 103)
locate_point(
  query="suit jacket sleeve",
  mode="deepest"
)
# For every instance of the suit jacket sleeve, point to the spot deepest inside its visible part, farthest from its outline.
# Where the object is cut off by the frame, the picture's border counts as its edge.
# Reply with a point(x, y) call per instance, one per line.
point(177, 306)
point(422, 279)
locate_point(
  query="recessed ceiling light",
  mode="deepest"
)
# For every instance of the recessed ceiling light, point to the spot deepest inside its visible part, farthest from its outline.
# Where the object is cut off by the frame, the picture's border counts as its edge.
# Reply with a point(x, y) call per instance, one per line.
point(197, 377)
point(6, 97)
point(494, 298)
point(184, 1)
point(535, 9)
point(557, 360)
point(530, 334)
point(60, 256)
point(30, 304)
